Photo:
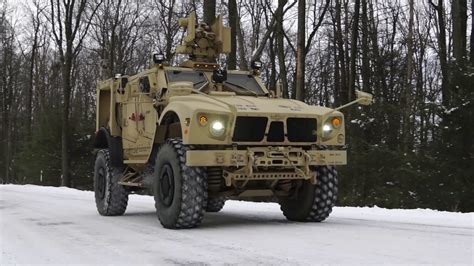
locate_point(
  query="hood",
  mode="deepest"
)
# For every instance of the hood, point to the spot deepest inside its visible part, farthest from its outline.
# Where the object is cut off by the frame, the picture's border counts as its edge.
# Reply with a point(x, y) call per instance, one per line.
point(252, 105)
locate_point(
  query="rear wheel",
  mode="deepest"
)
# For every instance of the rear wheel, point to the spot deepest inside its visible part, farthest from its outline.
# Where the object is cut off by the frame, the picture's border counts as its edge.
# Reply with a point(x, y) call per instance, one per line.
point(215, 204)
point(313, 203)
point(180, 191)
point(110, 197)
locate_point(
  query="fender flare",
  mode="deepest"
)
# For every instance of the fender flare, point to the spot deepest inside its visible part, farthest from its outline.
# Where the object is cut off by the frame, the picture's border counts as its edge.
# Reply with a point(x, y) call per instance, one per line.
point(103, 140)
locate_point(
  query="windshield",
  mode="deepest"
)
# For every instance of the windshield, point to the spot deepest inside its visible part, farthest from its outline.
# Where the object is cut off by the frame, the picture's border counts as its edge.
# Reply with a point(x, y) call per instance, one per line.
point(197, 78)
point(243, 84)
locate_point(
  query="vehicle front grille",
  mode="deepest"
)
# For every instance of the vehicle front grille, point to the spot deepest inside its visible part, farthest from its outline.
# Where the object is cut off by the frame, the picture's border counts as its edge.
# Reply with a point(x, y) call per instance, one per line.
point(250, 128)
point(301, 129)
point(253, 129)
point(276, 132)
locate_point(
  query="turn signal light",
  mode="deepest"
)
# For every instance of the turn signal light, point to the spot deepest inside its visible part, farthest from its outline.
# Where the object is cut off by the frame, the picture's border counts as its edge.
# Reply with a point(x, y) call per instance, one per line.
point(336, 122)
point(203, 120)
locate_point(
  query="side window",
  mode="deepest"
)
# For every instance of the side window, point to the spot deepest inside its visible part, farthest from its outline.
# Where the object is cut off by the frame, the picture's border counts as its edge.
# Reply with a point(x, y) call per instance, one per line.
point(144, 84)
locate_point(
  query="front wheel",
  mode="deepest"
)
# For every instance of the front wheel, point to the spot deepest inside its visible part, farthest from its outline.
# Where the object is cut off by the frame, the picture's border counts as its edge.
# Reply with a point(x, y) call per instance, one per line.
point(312, 203)
point(180, 191)
point(111, 198)
point(215, 204)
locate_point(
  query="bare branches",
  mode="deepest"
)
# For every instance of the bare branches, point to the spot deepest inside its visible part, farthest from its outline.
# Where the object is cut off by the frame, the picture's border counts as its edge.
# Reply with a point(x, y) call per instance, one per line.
point(86, 28)
point(316, 25)
point(55, 21)
point(258, 51)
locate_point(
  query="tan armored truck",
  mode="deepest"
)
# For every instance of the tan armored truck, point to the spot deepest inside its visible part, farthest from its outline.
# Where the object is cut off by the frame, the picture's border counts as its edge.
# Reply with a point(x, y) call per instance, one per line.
point(196, 135)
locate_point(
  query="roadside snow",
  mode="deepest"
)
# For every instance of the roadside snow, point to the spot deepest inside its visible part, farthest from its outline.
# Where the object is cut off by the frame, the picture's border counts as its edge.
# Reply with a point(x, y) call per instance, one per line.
point(60, 225)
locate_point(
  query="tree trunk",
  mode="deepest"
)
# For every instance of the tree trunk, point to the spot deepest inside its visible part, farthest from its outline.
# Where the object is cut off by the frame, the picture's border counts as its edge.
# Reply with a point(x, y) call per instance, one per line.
point(459, 16)
point(406, 100)
point(209, 11)
point(365, 73)
point(280, 46)
point(232, 60)
point(341, 57)
point(7, 86)
point(273, 79)
point(443, 54)
point(29, 97)
point(355, 34)
point(6, 128)
point(65, 172)
point(380, 86)
point(243, 64)
point(472, 33)
point(169, 32)
point(461, 85)
point(337, 68)
point(300, 51)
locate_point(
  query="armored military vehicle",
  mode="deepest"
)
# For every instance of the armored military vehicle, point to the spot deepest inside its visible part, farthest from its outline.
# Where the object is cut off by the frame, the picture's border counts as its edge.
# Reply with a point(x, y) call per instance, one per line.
point(196, 135)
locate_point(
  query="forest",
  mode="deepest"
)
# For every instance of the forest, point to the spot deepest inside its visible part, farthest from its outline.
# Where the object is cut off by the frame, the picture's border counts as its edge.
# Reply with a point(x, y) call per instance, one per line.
point(413, 148)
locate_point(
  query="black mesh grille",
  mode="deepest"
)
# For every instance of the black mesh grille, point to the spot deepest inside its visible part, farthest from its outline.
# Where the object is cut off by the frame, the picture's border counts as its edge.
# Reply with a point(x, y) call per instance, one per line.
point(301, 129)
point(249, 129)
point(276, 132)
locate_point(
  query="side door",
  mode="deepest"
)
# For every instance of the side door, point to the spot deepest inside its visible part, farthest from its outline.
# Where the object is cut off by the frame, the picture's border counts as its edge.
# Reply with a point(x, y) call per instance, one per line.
point(139, 120)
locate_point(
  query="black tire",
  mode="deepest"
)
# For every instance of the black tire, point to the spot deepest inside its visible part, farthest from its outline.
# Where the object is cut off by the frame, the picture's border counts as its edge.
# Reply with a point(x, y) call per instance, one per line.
point(215, 204)
point(111, 198)
point(180, 191)
point(313, 203)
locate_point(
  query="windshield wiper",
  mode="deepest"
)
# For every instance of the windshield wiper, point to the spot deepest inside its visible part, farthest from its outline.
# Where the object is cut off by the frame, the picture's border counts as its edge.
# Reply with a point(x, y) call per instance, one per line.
point(203, 85)
point(241, 87)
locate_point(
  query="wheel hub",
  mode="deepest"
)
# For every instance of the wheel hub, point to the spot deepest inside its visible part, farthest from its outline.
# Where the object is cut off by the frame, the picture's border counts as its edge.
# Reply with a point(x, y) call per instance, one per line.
point(101, 182)
point(166, 188)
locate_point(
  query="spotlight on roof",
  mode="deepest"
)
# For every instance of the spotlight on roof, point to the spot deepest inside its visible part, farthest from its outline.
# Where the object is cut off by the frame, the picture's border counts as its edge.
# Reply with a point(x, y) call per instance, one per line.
point(158, 58)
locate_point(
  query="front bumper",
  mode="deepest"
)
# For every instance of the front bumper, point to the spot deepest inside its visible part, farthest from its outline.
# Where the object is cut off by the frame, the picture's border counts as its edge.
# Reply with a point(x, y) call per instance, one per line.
point(266, 163)
point(265, 157)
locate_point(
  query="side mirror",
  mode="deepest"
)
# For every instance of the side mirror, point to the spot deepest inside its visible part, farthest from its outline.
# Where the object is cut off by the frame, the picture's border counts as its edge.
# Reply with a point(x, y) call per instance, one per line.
point(364, 98)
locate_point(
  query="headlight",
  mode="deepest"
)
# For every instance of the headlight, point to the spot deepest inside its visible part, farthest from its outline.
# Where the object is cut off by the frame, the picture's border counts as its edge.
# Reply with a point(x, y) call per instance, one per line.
point(331, 125)
point(327, 128)
point(217, 128)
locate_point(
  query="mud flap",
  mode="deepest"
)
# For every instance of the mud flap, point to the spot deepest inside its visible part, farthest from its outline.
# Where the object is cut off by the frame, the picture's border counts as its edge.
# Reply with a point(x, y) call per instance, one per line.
point(104, 140)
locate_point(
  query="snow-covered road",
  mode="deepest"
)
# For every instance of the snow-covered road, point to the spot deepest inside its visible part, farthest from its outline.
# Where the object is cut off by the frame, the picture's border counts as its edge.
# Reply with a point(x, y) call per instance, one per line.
point(61, 225)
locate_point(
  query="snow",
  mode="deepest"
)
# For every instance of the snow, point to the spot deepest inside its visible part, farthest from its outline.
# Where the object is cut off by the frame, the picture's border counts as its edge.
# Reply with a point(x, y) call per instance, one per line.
point(42, 225)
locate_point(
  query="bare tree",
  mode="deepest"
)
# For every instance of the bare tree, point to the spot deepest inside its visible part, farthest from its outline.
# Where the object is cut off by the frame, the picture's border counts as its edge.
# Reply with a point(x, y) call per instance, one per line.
point(116, 30)
point(472, 33)
point(271, 27)
point(300, 51)
point(70, 22)
point(233, 23)
point(443, 52)
point(459, 15)
point(8, 77)
point(280, 47)
point(37, 24)
point(243, 63)
point(407, 92)
point(209, 11)
point(354, 49)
